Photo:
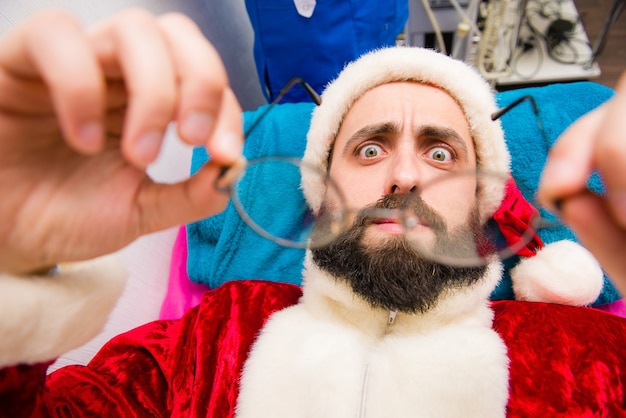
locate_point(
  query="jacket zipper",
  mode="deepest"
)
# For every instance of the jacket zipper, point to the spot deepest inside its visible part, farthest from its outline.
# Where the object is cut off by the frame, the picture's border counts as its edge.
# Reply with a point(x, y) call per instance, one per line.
point(365, 381)
point(364, 390)
point(392, 317)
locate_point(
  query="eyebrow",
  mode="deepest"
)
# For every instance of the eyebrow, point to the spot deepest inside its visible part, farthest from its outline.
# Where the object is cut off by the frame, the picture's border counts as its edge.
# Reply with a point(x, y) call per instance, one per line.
point(370, 131)
point(447, 134)
point(430, 131)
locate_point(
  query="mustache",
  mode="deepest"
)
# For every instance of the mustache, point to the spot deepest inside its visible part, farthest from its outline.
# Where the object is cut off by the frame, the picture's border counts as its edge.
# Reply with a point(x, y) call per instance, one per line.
point(393, 274)
point(409, 202)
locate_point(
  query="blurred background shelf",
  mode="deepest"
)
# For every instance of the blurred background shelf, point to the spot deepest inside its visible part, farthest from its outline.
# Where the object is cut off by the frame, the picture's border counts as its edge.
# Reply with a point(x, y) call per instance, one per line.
point(525, 42)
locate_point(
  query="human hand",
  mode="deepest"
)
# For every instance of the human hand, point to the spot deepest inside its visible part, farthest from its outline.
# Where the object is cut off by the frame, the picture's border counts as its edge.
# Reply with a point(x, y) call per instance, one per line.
point(83, 113)
point(597, 141)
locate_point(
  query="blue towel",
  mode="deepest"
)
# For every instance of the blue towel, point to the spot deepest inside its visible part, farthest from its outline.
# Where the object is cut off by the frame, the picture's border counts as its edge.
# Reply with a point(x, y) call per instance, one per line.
point(223, 248)
point(559, 105)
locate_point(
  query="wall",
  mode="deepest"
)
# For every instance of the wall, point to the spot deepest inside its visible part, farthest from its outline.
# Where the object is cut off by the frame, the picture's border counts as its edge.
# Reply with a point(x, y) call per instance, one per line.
point(224, 22)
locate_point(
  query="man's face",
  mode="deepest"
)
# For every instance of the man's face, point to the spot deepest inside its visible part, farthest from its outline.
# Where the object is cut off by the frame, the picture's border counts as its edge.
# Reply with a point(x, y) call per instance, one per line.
point(396, 138)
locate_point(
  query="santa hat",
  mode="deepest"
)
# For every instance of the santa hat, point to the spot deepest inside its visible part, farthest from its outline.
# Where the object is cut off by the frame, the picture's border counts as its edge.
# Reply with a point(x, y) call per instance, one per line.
point(421, 65)
point(476, 98)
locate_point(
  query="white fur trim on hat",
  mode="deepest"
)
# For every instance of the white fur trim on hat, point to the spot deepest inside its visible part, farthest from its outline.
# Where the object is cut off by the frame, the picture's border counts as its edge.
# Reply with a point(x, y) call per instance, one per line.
point(561, 272)
point(396, 64)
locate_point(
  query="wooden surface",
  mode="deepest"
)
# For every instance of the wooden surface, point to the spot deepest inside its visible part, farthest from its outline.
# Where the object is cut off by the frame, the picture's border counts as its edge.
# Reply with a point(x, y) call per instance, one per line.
point(613, 58)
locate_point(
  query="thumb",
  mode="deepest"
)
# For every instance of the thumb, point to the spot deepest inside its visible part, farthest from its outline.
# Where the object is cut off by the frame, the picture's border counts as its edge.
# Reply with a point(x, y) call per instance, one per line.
point(164, 206)
point(570, 161)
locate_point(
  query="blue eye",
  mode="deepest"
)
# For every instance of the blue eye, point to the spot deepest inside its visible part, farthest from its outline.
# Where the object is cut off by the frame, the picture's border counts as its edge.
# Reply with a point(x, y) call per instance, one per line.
point(370, 151)
point(440, 154)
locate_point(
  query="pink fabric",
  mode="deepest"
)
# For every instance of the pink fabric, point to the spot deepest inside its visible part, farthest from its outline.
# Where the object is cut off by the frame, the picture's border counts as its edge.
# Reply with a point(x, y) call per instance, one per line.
point(616, 308)
point(182, 294)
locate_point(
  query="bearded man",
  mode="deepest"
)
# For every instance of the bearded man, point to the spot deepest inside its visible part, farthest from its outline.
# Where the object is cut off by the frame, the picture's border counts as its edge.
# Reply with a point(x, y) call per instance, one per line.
point(382, 330)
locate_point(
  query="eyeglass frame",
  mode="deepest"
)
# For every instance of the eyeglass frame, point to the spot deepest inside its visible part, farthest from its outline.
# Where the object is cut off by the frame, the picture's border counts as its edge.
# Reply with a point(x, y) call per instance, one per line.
point(228, 175)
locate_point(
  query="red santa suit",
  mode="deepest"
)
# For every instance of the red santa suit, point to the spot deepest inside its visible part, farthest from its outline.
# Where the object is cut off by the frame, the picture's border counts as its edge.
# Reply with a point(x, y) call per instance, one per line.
point(562, 361)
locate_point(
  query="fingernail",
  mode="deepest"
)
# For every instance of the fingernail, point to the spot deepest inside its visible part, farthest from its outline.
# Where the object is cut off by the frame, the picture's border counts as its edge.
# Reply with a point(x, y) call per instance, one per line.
point(147, 147)
point(196, 127)
point(90, 135)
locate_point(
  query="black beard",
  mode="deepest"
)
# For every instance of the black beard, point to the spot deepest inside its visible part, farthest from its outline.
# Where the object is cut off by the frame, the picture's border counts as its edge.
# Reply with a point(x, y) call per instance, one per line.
point(391, 274)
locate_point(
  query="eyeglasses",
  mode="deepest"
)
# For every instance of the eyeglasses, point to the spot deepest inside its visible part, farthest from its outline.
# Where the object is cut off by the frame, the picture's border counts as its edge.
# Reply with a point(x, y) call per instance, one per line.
point(445, 219)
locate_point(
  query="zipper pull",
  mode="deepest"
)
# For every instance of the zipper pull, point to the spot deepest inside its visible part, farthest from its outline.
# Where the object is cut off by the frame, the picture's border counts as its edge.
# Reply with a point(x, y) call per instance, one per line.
point(392, 317)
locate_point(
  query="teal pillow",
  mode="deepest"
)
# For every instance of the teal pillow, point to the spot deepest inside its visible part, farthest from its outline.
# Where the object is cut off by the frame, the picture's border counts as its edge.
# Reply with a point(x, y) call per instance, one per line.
point(223, 248)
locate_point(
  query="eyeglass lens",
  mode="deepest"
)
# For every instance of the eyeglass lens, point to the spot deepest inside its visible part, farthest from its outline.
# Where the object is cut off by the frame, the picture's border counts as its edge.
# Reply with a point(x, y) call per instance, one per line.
point(446, 221)
point(268, 197)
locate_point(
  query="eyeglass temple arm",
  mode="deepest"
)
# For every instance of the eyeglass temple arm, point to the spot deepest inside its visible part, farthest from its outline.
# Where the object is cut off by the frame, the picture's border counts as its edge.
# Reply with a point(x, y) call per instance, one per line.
point(296, 80)
point(501, 112)
point(228, 174)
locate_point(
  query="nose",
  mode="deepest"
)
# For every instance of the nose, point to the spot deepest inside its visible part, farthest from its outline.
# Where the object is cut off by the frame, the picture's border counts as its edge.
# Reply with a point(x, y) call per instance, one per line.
point(404, 174)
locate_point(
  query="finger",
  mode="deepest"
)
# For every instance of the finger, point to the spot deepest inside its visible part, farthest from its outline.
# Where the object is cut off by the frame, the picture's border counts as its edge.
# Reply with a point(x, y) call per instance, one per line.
point(166, 205)
point(226, 145)
point(53, 48)
point(587, 214)
point(24, 96)
point(203, 78)
point(570, 160)
point(115, 122)
point(132, 46)
point(610, 153)
point(45, 128)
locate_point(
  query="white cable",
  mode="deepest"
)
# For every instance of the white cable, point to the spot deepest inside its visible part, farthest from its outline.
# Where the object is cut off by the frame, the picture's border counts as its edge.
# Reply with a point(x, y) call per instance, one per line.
point(501, 51)
point(464, 15)
point(466, 28)
point(489, 57)
point(462, 30)
point(435, 24)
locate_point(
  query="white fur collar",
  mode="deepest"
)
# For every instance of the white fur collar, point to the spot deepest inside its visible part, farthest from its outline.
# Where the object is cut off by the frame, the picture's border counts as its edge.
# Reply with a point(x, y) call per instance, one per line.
point(44, 317)
point(325, 293)
point(333, 356)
